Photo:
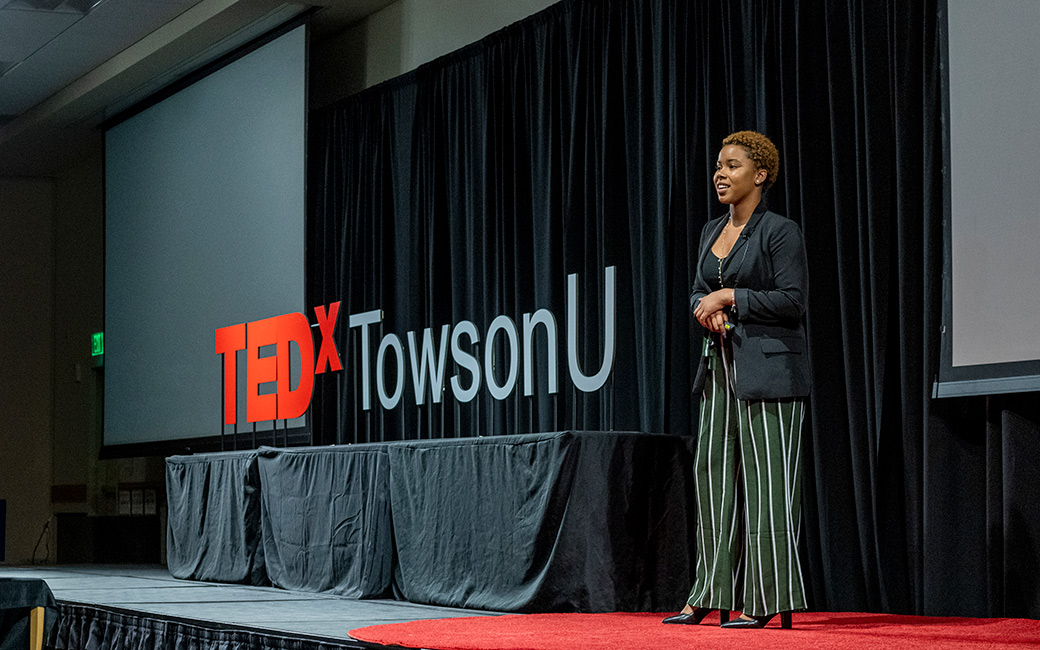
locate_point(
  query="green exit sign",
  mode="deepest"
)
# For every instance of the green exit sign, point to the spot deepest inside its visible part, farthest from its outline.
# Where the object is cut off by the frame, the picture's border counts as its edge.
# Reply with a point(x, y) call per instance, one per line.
point(97, 344)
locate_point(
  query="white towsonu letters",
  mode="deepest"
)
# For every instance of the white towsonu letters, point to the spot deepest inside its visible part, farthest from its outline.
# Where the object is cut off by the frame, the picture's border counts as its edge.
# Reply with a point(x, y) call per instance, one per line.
point(427, 358)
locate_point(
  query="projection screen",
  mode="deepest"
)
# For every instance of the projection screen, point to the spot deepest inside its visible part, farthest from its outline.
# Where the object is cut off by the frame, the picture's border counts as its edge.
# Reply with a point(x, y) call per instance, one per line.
point(991, 325)
point(205, 217)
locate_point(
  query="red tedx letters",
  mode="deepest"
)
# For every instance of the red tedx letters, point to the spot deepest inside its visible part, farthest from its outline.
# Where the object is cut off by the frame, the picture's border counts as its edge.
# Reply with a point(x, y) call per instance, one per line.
point(256, 338)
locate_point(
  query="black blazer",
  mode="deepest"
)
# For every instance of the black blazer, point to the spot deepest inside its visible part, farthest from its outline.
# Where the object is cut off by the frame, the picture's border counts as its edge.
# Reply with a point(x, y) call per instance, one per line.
point(769, 343)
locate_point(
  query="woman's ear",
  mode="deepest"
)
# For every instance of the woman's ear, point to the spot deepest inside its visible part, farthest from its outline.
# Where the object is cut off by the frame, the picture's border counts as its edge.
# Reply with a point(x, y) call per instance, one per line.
point(761, 176)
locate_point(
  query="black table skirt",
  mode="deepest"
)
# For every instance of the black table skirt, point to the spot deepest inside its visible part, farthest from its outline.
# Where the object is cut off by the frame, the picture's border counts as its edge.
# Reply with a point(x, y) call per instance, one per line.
point(571, 521)
point(214, 518)
point(18, 597)
point(326, 519)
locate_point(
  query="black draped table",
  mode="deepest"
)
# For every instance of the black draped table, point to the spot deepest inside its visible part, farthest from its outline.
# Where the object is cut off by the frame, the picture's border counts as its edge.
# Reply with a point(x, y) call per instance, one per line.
point(326, 519)
point(28, 614)
point(214, 513)
point(586, 521)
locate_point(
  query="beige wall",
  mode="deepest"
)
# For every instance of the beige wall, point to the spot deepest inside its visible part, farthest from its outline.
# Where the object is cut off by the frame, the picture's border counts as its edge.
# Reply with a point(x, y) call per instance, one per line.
point(51, 301)
point(27, 359)
point(433, 28)
point(404, 36)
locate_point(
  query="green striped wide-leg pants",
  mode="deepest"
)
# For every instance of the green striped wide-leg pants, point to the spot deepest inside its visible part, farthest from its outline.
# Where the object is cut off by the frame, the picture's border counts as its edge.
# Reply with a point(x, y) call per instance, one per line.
point(747, 477)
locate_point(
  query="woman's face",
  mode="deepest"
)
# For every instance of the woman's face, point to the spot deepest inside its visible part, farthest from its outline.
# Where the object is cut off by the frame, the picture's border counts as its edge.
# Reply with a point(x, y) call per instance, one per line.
point(736, 175)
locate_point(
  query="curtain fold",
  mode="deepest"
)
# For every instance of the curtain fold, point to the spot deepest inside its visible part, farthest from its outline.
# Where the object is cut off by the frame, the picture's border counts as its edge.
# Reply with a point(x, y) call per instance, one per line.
point(584, 137)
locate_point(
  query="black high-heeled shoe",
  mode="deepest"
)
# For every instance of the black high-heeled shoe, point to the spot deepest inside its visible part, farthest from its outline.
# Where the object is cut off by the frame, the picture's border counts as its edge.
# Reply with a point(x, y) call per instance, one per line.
point(756, 622)
point(696, 616)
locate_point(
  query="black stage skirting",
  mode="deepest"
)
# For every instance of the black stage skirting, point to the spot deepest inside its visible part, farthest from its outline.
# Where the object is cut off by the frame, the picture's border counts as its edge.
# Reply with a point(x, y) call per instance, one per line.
point(88, 627)
point(571, 521)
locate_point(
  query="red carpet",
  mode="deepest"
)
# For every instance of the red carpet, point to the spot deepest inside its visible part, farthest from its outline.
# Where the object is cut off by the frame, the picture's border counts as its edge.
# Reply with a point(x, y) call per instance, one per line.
point(644, 631)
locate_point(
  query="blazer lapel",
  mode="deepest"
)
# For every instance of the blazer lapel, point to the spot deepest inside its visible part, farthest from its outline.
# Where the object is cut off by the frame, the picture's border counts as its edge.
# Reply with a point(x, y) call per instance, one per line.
point(744, 241)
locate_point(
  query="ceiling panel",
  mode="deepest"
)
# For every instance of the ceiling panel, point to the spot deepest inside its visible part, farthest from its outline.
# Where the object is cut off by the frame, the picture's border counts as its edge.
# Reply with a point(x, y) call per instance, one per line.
point(62, 73)
point(110, 28)
point(67, 6)
point(24, 32)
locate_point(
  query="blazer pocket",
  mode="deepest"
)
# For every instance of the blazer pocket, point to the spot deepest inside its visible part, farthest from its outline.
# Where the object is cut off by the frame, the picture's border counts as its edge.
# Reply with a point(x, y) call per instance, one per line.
point(785, 345)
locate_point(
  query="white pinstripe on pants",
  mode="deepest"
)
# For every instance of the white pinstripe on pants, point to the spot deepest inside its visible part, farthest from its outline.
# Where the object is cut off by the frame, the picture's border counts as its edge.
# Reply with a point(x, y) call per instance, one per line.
point(747, 477)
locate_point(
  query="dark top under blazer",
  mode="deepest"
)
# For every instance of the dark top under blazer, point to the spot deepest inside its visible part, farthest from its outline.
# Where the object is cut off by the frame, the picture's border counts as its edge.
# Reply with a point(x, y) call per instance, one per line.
point(769, 343)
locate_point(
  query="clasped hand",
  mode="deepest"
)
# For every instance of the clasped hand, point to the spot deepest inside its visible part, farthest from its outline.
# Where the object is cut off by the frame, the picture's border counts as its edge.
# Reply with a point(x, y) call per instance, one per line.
point(709, 314)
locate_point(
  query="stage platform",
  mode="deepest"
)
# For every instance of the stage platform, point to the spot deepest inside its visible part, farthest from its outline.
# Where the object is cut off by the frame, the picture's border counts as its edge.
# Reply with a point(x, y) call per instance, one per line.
point(96, 601)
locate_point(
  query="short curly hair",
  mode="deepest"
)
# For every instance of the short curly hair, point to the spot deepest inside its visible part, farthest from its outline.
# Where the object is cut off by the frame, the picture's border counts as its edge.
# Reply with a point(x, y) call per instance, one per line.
point(760, 150)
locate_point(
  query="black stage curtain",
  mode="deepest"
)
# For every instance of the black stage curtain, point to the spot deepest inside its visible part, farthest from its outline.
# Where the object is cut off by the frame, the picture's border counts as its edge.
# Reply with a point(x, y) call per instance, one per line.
point(585, 137)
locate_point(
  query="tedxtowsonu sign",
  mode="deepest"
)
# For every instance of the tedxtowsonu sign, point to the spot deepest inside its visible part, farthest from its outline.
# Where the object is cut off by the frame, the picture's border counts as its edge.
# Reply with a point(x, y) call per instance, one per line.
point(427, 360)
